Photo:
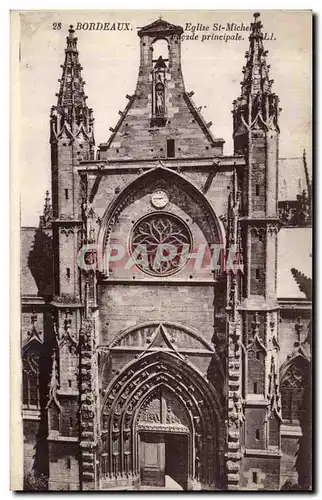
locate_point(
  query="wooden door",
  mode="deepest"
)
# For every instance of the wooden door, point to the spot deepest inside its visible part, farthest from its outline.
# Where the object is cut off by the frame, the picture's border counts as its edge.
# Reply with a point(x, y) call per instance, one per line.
point(152, 459)
point(176, 453)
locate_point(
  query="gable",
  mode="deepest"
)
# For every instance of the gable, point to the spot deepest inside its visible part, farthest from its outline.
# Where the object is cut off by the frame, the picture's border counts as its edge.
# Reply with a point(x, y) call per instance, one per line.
point(160, 26)
point(160, 108)
point(134, 136)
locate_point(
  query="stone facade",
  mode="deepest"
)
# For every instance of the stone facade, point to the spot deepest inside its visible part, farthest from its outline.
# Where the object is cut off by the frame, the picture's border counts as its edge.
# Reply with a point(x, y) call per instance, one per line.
point(132, 360)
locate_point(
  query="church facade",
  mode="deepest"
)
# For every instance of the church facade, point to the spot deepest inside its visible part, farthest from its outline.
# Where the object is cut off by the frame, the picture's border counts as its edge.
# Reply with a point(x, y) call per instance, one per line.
point(154, 341)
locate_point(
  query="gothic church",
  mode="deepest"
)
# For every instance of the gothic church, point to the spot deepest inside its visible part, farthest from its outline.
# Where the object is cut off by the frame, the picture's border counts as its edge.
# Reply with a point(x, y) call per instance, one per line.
point(136, 373)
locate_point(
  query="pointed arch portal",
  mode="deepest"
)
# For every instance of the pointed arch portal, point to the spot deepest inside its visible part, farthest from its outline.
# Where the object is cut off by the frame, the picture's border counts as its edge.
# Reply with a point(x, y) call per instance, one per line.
point(155, 400)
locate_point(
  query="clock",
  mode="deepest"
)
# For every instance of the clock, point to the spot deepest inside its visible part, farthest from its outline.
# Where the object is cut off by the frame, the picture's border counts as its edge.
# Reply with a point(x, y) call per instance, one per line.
point(159, 199)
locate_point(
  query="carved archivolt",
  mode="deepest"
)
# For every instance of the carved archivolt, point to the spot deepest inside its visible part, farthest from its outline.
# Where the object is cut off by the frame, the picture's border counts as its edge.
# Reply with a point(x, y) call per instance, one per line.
point(131, 399)
point(166, 335)
point(157, 178)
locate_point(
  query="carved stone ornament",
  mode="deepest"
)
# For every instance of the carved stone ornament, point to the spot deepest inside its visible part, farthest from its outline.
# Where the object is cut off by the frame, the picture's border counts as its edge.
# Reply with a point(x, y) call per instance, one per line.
point(273, 228)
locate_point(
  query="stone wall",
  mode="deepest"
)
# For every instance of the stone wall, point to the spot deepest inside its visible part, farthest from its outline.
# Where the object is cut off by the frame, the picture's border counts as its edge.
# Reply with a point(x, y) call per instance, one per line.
point(122, 306)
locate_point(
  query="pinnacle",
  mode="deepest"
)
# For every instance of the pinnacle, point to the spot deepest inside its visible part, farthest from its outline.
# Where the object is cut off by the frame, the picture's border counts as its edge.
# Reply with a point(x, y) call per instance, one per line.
point(71, 110)
point(47, 201)
point(46, 218)
point(256, 72)
point(257, 106)
point(71, 83)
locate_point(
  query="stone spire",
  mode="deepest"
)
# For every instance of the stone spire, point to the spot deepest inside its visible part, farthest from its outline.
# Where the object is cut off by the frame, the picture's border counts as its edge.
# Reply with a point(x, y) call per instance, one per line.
point(71, 114)
point(46, 218)
point(256, 71)
point(257, 106)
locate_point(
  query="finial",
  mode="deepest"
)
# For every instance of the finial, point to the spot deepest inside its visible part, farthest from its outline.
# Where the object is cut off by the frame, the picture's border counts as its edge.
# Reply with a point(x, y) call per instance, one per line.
point(71, 40)
point(71, 31)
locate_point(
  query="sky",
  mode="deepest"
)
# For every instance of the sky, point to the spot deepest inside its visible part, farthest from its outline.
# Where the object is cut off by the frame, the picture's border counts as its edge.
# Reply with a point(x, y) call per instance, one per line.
point(211, 68)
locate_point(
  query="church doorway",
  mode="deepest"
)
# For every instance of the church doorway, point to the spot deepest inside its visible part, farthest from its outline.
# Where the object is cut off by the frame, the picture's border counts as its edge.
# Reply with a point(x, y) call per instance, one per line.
point(161, 420)
point(164, 460)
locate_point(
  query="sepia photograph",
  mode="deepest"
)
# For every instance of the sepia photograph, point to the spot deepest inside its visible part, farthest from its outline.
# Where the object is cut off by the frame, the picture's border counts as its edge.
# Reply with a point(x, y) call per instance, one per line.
point(164, 192)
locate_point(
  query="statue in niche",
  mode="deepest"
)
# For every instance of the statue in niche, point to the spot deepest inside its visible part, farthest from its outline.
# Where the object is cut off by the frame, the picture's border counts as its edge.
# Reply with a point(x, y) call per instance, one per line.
point(159, 97)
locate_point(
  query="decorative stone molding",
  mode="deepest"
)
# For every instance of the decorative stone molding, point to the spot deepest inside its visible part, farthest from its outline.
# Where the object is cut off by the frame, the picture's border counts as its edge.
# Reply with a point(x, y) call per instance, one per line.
point(88, 406)
point(235, 405)
point(33, 334)
point(273, 228)
point(67, 336)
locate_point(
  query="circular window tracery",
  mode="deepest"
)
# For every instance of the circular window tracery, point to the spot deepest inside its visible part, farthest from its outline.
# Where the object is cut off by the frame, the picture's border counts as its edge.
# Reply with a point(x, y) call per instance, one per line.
point(160, 243)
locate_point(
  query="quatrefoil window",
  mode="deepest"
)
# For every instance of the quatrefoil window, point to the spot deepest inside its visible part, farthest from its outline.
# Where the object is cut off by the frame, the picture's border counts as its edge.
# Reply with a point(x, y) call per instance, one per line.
point(160, 243)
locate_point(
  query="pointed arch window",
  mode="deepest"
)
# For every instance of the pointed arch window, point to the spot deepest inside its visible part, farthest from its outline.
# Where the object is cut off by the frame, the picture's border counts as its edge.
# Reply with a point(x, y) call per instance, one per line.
point(293, 387)
point(273, 430)
point(256, 369)
point(54, 417)
point(30, 379)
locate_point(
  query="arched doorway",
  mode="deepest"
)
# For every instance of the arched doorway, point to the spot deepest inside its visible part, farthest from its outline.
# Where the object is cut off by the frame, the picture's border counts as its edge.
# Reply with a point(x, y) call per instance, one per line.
point(164, 432)
point(160, 402)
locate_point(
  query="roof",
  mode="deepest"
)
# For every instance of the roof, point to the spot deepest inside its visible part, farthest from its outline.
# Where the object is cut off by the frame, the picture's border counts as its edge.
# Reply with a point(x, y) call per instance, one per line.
point(200, 120)
point(160, 26)
point(294, 253)
point(36, 261)
point(292, 179)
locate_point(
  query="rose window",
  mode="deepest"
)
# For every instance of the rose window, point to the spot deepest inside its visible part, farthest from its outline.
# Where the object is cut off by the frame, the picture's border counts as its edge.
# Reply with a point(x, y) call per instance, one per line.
point(160, 244)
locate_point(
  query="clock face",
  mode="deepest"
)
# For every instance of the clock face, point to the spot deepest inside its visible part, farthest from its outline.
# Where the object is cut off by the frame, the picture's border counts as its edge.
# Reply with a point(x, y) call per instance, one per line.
point(159, 199)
